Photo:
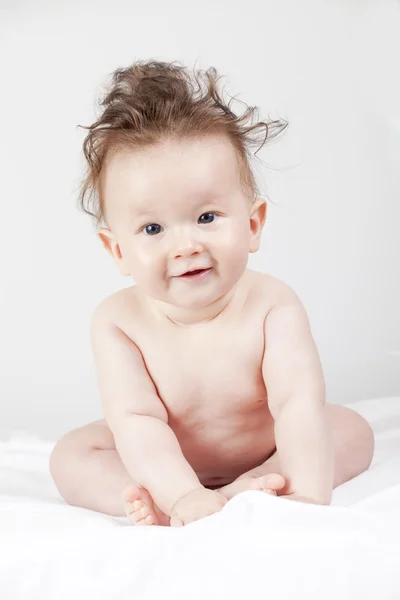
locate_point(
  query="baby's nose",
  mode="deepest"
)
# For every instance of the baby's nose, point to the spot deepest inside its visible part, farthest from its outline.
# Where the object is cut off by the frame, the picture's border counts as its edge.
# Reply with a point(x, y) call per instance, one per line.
point(184, 251)
point(184, 246)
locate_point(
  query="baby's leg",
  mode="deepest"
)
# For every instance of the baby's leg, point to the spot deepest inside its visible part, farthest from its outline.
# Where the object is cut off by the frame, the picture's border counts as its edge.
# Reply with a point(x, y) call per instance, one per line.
point(353, 450)
point(88, 472)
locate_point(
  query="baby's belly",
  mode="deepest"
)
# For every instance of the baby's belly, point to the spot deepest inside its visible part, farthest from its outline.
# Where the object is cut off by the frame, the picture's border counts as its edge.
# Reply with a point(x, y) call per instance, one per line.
point(222, 449)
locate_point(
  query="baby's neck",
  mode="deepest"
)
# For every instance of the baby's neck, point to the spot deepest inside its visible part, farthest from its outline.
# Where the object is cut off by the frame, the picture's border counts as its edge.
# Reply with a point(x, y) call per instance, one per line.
point(192, 317)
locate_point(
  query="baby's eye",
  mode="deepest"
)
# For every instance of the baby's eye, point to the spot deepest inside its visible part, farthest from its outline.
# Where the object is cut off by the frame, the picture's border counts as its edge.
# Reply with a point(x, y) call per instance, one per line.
point(209, 217)
point(152, 228)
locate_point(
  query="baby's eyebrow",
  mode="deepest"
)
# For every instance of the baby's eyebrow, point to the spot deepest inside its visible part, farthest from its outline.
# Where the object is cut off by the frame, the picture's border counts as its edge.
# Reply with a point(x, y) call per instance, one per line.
point(142, 213)
point(140, 210)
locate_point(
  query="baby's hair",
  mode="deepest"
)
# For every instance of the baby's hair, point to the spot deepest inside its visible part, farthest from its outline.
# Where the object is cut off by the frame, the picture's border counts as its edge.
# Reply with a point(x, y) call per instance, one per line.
point(150, 102)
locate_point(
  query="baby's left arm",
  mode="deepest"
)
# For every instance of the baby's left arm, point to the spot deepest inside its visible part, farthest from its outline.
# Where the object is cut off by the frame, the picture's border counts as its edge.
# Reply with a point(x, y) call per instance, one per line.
point(296, 397)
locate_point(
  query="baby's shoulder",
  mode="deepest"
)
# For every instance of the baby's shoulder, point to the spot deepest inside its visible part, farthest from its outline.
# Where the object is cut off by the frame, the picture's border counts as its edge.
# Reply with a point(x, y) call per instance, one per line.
point(270, 290)
point(118, 306)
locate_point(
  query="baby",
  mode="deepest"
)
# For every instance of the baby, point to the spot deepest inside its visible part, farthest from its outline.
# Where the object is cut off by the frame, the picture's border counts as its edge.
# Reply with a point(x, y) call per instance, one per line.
point(208, 373)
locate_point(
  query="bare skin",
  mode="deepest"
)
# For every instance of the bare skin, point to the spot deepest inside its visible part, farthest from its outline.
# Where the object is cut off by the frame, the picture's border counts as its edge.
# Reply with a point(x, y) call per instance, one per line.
point(234, 417)
point(201, 377)
point(226, 432)
point(141, 510)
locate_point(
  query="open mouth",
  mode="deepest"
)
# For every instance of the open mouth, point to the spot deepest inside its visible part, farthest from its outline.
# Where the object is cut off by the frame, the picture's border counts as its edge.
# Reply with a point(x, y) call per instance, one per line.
point(189, 273)
point(194, 274)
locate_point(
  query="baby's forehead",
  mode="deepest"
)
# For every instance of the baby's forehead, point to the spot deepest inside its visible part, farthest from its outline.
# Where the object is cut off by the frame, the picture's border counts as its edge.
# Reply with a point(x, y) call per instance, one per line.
point(189, 173)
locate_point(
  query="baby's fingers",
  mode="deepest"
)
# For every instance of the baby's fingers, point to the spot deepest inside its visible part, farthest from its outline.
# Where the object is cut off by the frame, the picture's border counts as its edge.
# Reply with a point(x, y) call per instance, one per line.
point(175, 522)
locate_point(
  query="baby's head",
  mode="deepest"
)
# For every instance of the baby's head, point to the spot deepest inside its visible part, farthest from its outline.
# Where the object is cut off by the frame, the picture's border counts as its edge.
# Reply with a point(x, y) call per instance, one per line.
point(169, 176)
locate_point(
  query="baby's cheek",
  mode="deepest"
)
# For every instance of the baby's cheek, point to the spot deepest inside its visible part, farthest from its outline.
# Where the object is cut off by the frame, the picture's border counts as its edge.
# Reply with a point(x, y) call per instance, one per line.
point(143, 257)
point(235, 244)
point(142, 268)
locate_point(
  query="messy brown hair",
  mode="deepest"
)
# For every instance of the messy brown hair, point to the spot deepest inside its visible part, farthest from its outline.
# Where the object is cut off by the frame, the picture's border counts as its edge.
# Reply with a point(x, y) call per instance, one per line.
point(150, 102)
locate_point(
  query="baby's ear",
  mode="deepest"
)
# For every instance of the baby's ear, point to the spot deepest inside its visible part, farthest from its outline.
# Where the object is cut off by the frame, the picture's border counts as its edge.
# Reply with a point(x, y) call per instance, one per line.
point(111, 245)
point(258, 215)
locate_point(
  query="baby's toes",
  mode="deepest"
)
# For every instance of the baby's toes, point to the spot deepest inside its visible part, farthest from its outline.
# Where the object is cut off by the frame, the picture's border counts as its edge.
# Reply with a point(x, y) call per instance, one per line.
point(136, 511)
point(271, 483)
point(149, 520)
point(139, 513)
point(144, 516)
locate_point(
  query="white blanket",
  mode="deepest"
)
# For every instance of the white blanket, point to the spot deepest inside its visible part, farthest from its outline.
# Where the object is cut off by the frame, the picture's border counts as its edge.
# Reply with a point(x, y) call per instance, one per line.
point(258, 546)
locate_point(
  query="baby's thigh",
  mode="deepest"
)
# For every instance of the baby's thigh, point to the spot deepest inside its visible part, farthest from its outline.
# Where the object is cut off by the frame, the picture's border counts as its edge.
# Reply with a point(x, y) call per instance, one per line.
point(71, 457)
point(94, 436)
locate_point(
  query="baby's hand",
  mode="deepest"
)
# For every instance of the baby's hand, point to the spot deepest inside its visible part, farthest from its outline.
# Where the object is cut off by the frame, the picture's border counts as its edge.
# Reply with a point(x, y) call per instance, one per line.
point(196, 505)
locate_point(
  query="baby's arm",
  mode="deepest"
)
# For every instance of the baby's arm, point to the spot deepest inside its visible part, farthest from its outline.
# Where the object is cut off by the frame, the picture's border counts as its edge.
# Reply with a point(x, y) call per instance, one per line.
point(296, 395)
point(138, 419)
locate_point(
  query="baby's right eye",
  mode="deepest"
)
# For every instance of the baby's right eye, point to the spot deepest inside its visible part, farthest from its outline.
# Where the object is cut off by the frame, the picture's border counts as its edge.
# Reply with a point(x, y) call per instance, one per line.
point(152, 229)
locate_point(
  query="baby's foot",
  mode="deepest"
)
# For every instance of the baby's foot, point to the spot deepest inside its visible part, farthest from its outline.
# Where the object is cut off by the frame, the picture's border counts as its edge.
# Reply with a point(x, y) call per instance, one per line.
point(140, 508)
point(266, 483)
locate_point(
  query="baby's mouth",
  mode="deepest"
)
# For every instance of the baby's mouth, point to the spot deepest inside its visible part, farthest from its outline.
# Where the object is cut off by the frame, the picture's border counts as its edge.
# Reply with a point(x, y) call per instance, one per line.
point(193, 272)
point(197, 272)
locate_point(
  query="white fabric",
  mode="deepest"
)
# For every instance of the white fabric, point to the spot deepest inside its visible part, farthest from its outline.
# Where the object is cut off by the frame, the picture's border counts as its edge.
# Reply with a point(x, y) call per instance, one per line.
point(258, 546)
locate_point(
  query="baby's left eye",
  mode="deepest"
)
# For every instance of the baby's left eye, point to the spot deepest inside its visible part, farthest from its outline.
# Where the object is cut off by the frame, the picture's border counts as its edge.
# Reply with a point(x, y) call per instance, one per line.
point(209, 217)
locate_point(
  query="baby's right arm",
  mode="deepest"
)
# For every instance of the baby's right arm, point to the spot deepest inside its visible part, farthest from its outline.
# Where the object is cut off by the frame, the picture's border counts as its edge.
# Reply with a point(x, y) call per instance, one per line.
point(152, 456)
point(138, 419)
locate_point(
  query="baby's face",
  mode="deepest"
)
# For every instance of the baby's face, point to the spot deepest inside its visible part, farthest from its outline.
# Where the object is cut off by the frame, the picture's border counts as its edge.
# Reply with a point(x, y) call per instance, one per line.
point(178, 207)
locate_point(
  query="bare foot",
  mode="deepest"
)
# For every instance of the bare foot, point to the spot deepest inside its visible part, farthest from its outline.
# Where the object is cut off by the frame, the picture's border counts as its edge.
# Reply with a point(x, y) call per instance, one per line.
point(269, 483)
point(140, 508)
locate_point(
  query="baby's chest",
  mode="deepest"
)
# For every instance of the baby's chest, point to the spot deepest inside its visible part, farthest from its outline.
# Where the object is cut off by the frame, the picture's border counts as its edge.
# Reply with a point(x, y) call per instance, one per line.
point(197, 373)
